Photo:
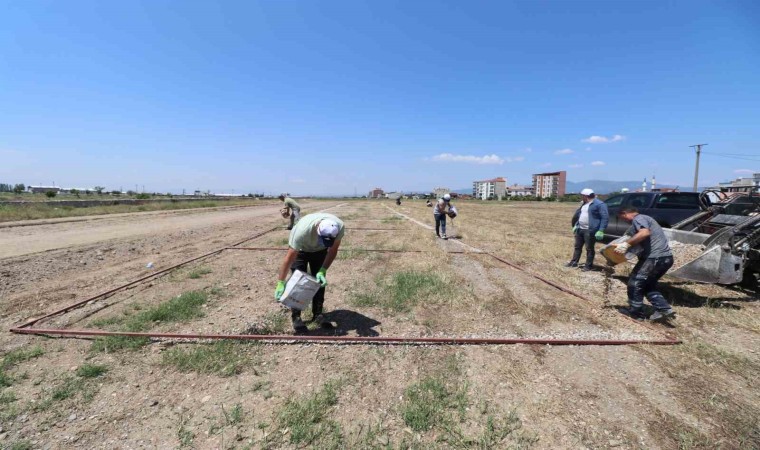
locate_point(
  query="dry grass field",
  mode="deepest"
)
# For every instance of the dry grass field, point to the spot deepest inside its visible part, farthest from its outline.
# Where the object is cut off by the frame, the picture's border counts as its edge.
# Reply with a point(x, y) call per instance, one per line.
point(120, 392)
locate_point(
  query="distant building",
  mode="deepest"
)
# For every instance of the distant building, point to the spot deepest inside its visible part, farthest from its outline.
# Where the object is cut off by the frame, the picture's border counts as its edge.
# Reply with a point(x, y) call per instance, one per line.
point(43, 189)
point(489, 189)
point(744, 184)
point(376, 193)
point(440, 191)
point(550, 184)
point(394, 195)
point(517, 190)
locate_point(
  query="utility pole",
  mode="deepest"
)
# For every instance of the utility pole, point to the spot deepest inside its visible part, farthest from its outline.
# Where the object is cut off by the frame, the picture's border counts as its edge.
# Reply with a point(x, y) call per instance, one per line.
point(698, 148)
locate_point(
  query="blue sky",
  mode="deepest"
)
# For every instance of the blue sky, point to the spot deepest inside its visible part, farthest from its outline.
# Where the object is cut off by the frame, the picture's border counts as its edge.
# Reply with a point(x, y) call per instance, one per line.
point(324, 97)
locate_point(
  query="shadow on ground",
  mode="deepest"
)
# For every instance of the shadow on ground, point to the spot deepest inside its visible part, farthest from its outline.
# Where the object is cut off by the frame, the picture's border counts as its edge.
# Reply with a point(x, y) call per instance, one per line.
point(346, 320)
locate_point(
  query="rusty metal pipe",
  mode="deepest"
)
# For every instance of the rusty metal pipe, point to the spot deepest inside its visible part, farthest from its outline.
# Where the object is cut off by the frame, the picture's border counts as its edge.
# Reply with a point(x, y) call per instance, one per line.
point(574, 294)
point(380, 250)
point(347, 339)
point(139, 280)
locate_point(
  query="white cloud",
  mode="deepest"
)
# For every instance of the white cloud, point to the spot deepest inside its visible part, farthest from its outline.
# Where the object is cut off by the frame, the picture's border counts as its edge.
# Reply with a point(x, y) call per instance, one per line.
point(598, 163)
point(576, 166)
point(471, 159)
point(603, 140)
point(564, 151)
point(510, 159)
point(744, 171)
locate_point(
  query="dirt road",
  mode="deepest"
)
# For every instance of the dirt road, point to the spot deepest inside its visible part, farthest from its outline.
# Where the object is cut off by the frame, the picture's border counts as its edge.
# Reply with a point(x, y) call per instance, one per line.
point(26, 240)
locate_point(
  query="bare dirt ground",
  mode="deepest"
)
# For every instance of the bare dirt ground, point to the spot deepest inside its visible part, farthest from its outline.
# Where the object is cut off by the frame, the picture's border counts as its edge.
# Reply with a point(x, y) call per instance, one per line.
point(80, 393)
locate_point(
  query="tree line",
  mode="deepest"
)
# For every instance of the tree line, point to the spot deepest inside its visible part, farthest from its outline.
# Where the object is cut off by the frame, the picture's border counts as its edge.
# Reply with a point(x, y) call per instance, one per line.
point(16, 188)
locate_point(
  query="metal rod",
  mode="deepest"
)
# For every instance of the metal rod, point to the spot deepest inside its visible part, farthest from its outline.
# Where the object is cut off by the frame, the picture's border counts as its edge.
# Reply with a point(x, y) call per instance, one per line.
point(347, 339)
point(380, 250)
point(139, 280)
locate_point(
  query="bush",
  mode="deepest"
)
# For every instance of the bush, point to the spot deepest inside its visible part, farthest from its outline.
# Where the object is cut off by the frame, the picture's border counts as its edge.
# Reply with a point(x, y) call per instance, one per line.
point(19, 188)
point(50, 194)
point(143, 196)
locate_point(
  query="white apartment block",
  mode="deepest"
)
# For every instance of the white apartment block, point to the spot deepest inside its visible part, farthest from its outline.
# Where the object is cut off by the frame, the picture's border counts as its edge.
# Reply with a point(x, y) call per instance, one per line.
point(490, 189)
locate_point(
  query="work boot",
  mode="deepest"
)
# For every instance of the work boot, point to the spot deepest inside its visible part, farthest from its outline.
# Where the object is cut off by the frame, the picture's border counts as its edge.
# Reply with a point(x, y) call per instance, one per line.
point(586, 268)
point(633, 313)
point(663, 316)
point(571, 264)
point(443, 236)
point(298, 326)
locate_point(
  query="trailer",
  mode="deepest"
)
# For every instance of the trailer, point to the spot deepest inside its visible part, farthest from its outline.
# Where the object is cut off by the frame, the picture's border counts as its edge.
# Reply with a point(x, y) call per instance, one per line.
point(728, 231)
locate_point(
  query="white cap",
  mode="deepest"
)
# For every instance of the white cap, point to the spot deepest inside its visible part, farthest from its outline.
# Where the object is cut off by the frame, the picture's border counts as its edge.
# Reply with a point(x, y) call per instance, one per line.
point(587, 191)
point(446, 196)
point(328, 228)
point(327, 231)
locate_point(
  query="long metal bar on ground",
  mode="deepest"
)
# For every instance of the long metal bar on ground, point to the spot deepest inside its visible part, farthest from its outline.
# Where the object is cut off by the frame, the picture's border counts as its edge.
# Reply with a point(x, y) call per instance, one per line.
point(364, 229)
point(347, 339)
point(139, 280)
point(151, 276)
point(538, 277)
point(380, 250)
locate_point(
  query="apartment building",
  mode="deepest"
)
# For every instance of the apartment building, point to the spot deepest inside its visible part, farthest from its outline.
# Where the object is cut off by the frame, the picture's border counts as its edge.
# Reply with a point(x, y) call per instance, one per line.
point(549, 184)
point(489, 189)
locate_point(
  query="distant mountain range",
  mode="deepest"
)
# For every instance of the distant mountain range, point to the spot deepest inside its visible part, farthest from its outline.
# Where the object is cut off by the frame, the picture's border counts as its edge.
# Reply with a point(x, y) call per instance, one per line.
point(599, 186)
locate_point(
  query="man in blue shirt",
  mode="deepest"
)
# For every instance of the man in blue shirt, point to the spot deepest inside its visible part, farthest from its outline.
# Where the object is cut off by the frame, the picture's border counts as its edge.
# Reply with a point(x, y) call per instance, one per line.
point(589, 223)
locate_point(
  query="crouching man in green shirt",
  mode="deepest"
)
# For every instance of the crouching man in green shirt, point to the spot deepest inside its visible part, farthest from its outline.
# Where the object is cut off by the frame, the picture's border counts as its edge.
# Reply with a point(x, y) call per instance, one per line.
point(314, 243)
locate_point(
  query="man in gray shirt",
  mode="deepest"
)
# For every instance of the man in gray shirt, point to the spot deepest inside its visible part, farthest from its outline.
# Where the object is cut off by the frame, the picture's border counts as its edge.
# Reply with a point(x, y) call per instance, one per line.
point(655, 259)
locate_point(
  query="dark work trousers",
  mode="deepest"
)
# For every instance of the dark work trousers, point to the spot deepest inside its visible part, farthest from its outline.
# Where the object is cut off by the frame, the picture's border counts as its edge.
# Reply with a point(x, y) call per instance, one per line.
point(314, 262)
point(643, 281)
point(584, 237)
point(440, 223)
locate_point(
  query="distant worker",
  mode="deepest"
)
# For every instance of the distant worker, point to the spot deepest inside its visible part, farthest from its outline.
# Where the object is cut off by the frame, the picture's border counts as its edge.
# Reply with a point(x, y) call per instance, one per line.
point(589, 223)
point(428, 203)
point(441, 208)
point(293, 209)
point(655, 259)
point(313, 246)
point(398, 200)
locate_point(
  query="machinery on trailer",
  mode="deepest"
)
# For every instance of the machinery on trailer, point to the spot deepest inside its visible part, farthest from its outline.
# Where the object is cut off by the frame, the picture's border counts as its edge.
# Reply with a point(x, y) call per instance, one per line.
point(728, 231)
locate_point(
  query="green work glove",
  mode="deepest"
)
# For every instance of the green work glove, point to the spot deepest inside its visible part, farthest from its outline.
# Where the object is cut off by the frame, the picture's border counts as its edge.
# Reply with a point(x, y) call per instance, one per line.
point(575, 229)
point(279, 290)
point(599, 235)
point(321, 277)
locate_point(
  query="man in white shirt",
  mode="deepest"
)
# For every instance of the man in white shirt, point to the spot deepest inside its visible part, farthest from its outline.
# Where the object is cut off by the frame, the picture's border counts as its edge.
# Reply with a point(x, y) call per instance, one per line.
point(589, 223)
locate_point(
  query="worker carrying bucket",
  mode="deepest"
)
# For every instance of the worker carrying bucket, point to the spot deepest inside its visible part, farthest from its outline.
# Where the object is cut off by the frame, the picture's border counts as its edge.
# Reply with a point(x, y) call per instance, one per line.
point(655, 259)
point(441, 209)
point(291, 210)
point(313, 246)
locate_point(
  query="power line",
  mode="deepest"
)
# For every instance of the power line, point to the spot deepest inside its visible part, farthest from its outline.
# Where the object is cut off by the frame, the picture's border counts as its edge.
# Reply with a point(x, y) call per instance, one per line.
point(733, 157)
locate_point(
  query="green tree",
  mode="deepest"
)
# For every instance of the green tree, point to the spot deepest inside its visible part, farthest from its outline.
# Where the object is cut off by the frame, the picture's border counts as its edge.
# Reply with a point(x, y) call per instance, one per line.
point(19, 188)
point(50, 194)
point(99, 189)
point(75, 192)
